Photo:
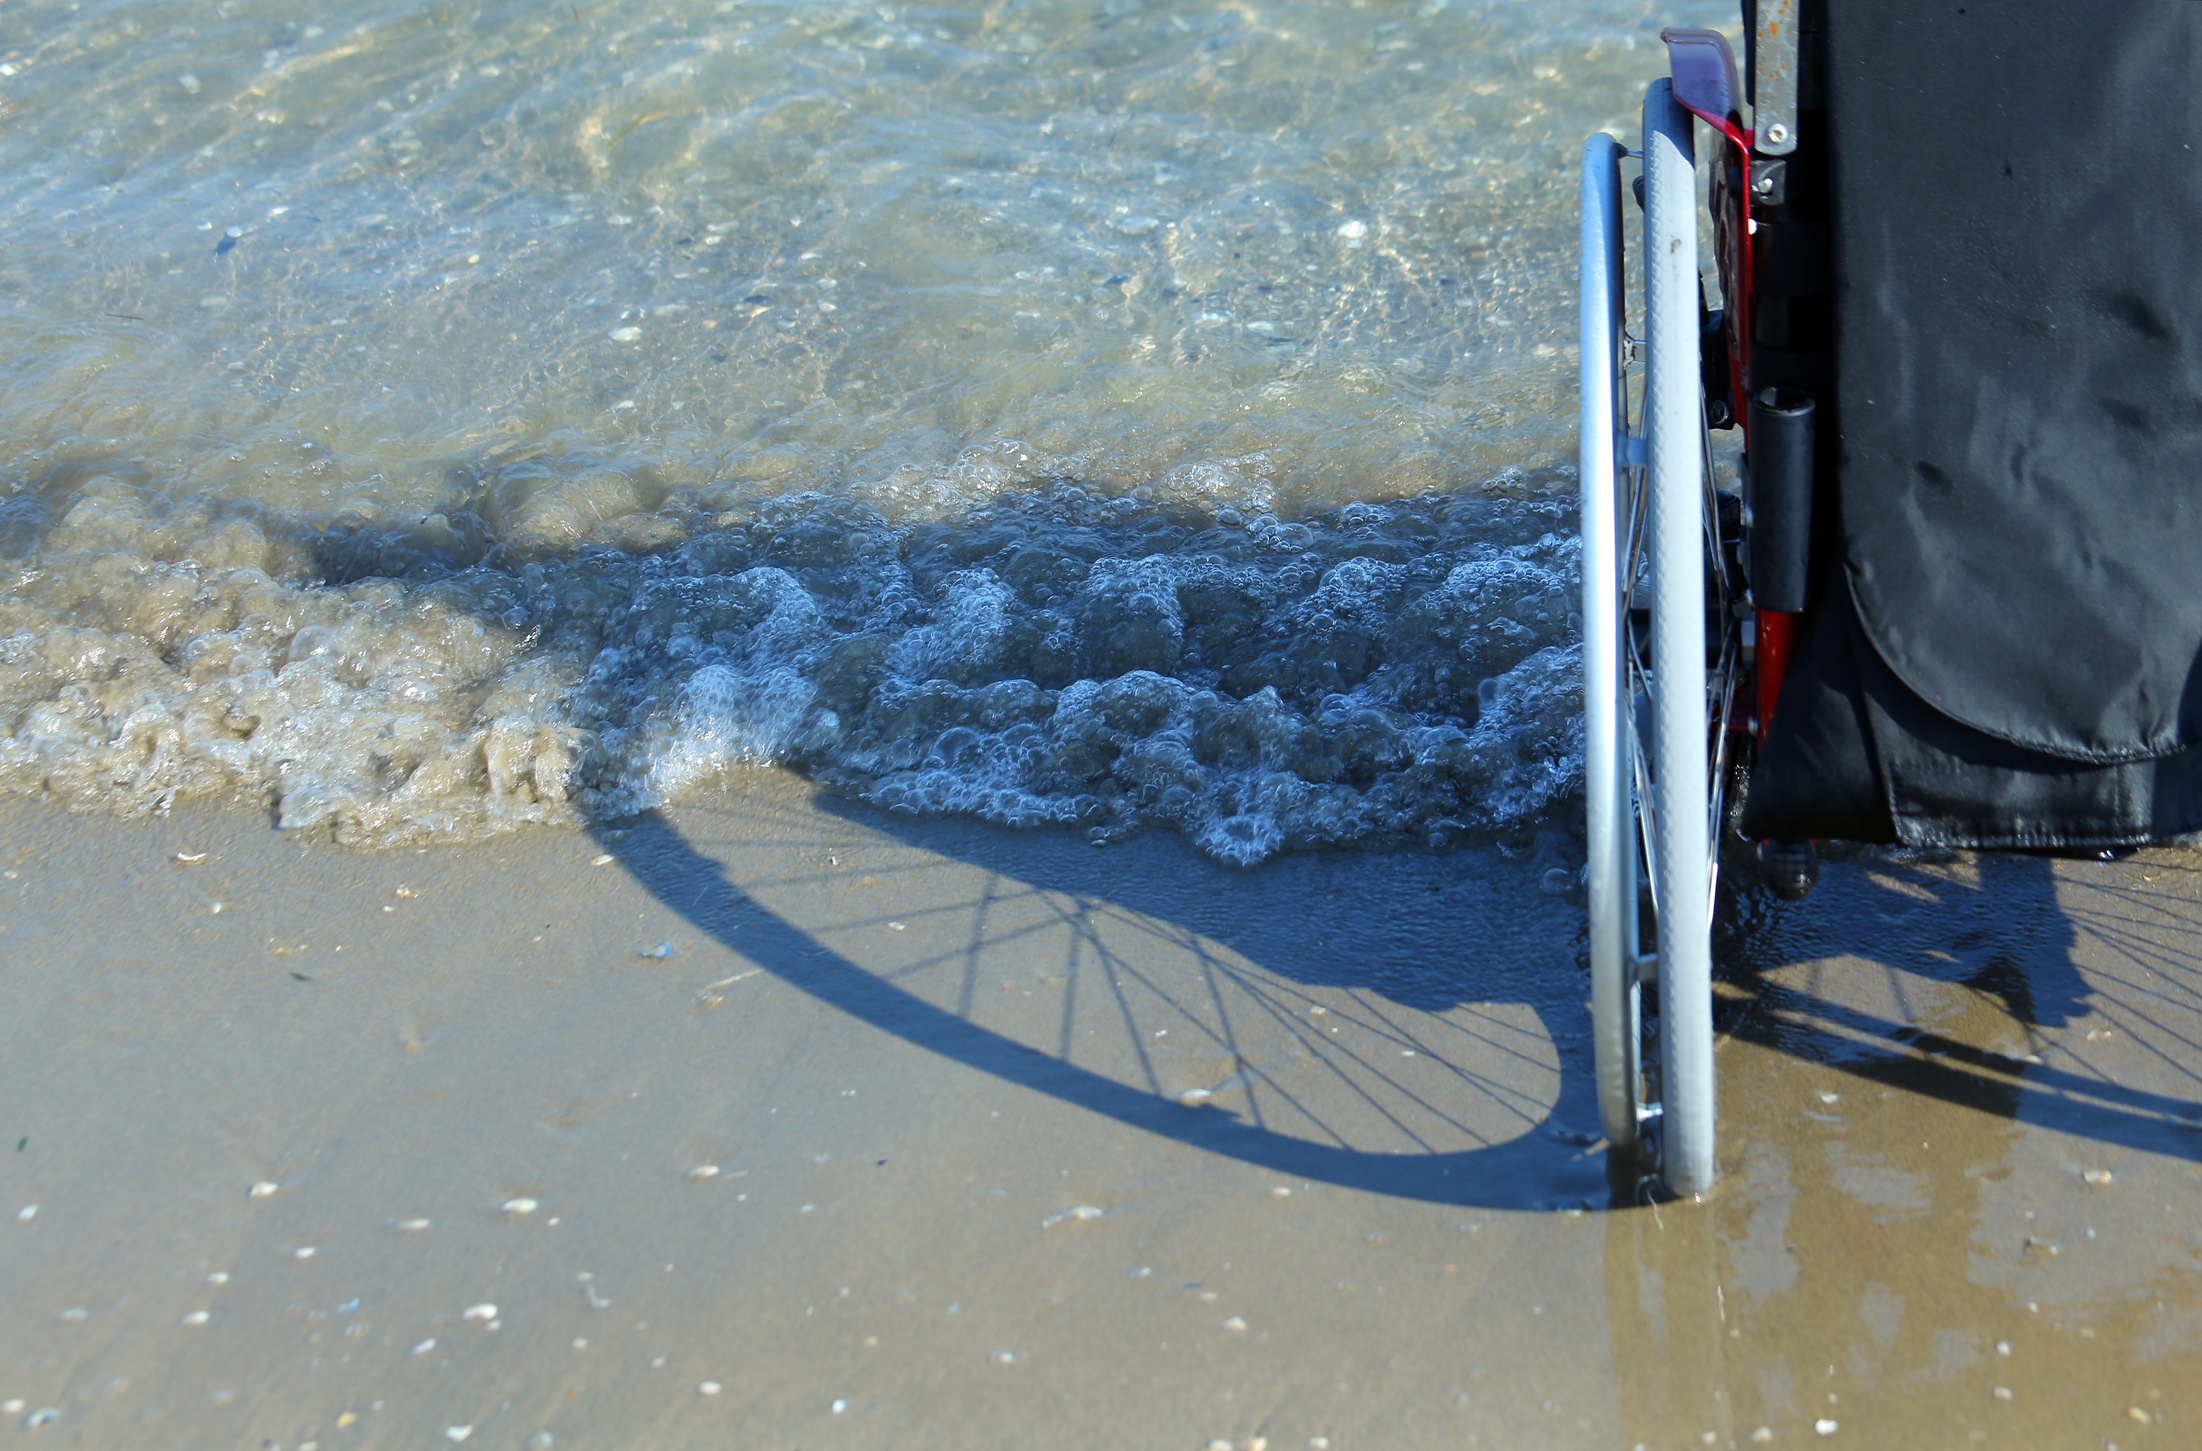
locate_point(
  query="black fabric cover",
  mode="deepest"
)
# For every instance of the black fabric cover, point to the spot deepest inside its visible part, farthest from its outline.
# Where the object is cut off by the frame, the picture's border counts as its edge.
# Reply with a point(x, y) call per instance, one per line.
point(1856, 755)
point(2017, 203)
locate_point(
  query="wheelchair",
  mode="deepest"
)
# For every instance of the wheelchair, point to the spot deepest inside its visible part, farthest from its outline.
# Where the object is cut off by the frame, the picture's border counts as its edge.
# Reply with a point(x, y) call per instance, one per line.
point(1954, 598)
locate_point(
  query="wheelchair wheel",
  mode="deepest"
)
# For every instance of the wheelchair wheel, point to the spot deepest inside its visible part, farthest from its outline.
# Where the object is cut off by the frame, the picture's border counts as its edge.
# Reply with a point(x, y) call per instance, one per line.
point(1662, 659)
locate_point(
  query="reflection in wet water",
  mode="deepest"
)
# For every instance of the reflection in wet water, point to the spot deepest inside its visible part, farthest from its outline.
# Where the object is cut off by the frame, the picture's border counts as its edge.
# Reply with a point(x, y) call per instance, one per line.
point(1961, 1110)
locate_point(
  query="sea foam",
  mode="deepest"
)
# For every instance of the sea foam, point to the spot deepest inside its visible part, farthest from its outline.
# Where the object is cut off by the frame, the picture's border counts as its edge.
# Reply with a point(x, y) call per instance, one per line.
point(1378, 673)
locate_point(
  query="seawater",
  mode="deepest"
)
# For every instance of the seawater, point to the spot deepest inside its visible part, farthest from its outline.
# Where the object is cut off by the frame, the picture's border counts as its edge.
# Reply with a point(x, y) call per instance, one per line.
point(430, 418)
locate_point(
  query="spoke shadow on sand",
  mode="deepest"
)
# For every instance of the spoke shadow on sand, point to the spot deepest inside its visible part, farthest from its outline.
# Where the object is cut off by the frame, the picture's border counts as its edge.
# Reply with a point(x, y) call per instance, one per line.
point(1966, 985)
point(1310, 1045)
point(1414, 1026)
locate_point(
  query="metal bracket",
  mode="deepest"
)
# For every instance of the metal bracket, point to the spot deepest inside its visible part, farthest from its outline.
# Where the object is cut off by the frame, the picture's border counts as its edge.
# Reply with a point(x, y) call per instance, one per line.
point(1774, 78)
point(1769, 182)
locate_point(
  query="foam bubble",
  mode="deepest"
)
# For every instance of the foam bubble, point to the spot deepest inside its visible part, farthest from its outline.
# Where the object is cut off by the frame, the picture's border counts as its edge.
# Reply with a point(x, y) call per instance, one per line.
point(1377, 673)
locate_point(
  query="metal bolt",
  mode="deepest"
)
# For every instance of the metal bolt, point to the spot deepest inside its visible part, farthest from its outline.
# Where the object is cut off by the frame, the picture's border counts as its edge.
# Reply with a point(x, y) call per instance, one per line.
point(1777, 133)
point(1763, 185)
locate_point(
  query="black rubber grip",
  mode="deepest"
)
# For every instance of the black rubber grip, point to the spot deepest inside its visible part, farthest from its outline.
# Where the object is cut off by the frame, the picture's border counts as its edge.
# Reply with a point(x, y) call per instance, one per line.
point(1780, 495)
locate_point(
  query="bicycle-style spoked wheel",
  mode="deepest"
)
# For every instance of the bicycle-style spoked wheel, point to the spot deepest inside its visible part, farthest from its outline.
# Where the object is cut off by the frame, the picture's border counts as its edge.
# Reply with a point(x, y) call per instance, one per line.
point(1657, 589)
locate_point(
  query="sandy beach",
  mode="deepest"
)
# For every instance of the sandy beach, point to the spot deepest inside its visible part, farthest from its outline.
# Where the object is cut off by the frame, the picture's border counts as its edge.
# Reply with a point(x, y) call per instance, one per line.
point(774, 1122)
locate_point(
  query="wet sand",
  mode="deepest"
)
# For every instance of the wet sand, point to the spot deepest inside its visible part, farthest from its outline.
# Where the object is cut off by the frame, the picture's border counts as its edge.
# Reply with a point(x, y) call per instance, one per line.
point(774, 1122)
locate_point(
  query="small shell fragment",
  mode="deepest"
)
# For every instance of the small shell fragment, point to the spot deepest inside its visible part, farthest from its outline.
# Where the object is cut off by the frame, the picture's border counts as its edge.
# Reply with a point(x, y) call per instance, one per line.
point(413, 1226)
point(604, 859)
point(304, 1252)
point(263, 1189)
point(1235, 1323)
point(704, 1171)
point(196, 1317)
point(2096, 1176)
point(26, 1214)
point(1826, 1427)
point(520, 1206)
point(457, 1433)
point(190, 858)
point(708, 1388)
point(45, 1417)
point(662, 950)
point(480, 1312)
point(424, 1347)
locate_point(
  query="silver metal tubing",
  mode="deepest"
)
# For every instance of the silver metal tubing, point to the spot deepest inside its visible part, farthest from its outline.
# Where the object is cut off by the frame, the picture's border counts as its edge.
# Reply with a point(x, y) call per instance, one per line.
point(1610, 819)
point(1673, 416)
